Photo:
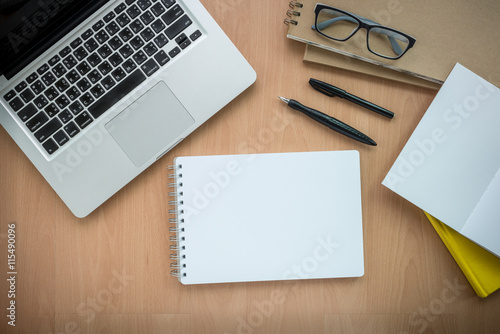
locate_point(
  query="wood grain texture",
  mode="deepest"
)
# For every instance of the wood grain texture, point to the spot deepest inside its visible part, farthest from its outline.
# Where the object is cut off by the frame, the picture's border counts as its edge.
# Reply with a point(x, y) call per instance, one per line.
point(109, 272)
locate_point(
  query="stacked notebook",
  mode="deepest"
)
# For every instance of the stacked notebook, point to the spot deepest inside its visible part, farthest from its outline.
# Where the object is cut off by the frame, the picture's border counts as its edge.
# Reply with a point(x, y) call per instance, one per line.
point(450, 167)
point(266, 217)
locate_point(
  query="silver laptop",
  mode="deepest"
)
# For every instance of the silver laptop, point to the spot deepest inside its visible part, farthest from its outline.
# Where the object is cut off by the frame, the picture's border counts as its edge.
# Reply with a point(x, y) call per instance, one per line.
point(94, 92)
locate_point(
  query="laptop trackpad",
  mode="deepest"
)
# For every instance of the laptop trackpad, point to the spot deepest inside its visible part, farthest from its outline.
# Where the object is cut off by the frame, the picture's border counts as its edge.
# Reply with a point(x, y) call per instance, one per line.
point(150, 124)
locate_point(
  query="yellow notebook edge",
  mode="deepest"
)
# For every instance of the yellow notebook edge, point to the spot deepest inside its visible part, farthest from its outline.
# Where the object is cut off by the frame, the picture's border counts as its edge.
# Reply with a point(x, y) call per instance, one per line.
point(444, 233)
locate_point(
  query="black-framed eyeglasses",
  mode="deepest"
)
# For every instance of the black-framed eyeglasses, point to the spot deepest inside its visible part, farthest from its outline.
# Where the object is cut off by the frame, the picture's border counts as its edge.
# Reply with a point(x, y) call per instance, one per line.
point(340, 25)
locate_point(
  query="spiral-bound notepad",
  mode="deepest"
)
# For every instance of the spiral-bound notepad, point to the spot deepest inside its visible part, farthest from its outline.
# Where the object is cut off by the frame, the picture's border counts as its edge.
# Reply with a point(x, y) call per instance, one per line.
point(266, 217)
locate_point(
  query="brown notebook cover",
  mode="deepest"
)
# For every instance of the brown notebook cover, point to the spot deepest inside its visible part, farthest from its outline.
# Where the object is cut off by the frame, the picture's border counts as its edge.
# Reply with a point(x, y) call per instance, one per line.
point(446, 32)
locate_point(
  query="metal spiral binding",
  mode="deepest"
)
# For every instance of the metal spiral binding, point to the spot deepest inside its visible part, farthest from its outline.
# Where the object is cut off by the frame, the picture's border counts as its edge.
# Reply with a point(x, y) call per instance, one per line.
point(292, 12)
point(177, 238)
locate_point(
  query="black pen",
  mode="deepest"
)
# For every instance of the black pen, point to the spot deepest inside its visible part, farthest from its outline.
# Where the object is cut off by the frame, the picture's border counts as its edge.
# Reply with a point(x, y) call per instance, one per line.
point(330, 122)
point(333, 91)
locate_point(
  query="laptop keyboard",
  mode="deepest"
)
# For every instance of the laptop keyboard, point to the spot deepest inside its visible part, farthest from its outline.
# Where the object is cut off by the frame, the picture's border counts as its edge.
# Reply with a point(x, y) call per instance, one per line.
point(98, 68)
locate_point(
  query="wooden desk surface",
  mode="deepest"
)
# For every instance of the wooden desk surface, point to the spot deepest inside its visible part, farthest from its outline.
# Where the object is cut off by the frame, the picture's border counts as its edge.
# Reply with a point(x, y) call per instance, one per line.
point(109, 272)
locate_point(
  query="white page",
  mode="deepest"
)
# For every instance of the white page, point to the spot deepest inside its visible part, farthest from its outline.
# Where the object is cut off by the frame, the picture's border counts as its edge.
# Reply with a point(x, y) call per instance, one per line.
point(271, 217)
point(454, 153)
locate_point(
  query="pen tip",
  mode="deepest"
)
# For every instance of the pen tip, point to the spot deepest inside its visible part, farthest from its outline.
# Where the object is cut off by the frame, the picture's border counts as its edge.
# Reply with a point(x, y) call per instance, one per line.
point(283, 99)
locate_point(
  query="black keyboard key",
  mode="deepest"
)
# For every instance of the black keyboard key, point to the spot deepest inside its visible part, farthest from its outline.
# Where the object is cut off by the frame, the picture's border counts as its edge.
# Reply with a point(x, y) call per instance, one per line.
point(80, 53)
point(59, 70)
point(54, 60)
point(123, 20)
point(27, 112)
point(76, 43)
point(62, 101)
point(86, 99)
point(87, 34)
point(160, 40)
point(181, 38)
point(94, 76)
point(120, 8)
point(50, 146)
point(118, 74)
point(21, 86)
point(83, 68)
point(72, 76)
point(168, 3)
point(64, 52)
point(98, 25)
point(126, 34)
point(150, 67)
point(37, 87)
point(147, 18)
point(83, 84)
point(94, 60)
point(37, 121)
point(195, 35)
point(140, 57)
point(101, 37)
point(115, 42)
point(62, 85)
point(51, 110)
point(40, 102)
point(10, 95)
point(83, 120)
point(178, 26)
point(133, 11)
point(48, 129)
point(76, 107)
point(115, 59)
point(51, 93)
point(108, 17)
point(117, 93)
point(105, 68)
point(69, 62)
point(32, 77)
point(172, 15)
point(91, 45)
point(136, 42)
point(150, 49)
point(158, 26)
point(65, 116)
point(129, 2)
point(185, 44)
point(136, 26)
point(73, 93)
point(158, 9)
point(147, 34)
point(71, 129)
point(48, 79)
point(61, 138)
point(104, 51)
point(108, 82)
point(129, 66)
point(126, 51)
point(174, 52)
point(27, 95)
point(42, 69)
point(16, 103)
point(143, 4)
point(162, 58)
point(97, 91)
point(112, 28)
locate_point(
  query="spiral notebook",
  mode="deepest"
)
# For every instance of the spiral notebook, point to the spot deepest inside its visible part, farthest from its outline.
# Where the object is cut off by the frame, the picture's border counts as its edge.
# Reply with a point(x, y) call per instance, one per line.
point(266, 217)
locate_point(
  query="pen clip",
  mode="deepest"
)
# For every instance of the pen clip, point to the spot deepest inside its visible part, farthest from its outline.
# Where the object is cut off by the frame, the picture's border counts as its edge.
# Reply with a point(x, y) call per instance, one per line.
point(326, 89)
